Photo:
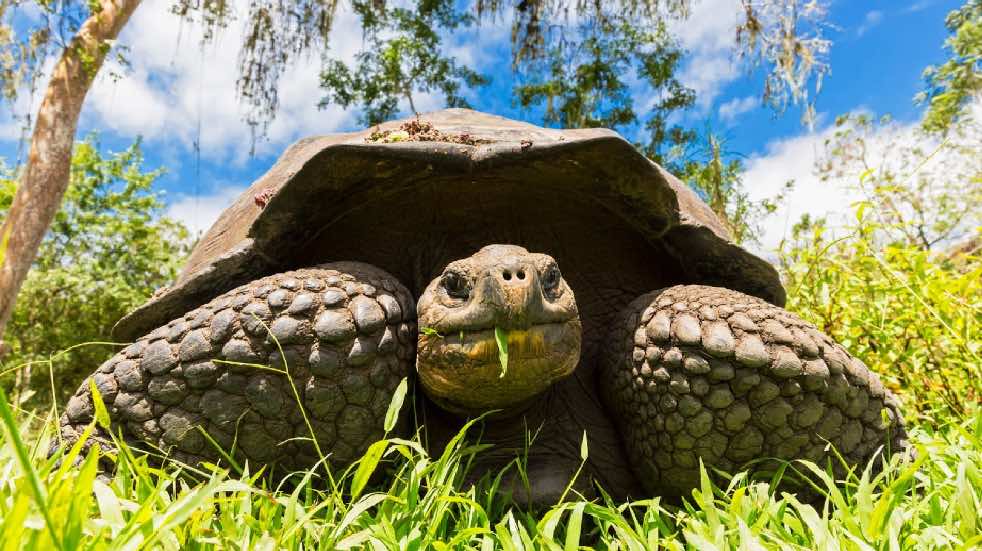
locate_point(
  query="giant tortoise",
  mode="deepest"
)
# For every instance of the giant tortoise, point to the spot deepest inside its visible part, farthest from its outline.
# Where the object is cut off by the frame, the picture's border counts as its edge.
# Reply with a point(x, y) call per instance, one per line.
point(556, 278)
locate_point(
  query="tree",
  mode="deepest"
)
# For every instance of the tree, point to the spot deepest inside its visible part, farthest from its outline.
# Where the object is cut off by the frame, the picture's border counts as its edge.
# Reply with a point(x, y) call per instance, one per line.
point(787, 36)
point(958, 81)
point(901, 285)
point(404, 56)
point(582, 79)
point(919, 190)
point(45, 175)
point(108, 249)
point(889, 286)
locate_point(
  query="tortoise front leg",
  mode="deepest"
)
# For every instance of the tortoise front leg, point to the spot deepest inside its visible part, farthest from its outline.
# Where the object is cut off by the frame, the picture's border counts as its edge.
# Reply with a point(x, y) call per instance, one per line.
point(347, 332)
point(695, 372)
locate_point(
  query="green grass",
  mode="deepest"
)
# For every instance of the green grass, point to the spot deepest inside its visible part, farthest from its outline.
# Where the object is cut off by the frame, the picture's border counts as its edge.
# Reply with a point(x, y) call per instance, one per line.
point(422, 502)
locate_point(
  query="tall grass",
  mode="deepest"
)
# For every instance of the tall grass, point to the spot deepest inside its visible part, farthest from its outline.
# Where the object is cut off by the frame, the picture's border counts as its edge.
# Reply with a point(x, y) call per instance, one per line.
point(423, 502)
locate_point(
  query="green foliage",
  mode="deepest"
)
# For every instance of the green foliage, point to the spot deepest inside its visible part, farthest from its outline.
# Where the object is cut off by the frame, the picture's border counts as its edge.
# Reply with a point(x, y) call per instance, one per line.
point(430, 332)
point(404, 51)
point(958, 81)
point(912, 316)
point(108, 249)
point(584, 78)
point(402, 57)
point(427, 503)
point(404, 46)
point(894, 290)
point(718, 179)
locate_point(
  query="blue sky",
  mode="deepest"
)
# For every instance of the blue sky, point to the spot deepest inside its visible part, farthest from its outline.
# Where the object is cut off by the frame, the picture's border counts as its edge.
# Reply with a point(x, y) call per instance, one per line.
point(181, 99)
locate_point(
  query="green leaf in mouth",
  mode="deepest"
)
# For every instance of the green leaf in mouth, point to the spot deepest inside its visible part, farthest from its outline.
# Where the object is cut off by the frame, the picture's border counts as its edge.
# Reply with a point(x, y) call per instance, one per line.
point(501, 337)
point(430, 332)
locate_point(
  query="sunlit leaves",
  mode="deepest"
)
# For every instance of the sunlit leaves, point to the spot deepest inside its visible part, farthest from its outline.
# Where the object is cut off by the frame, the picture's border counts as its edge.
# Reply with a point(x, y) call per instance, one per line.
point(958, 81)
point(501, 339)
point(912, 316)
point(402, 58)
point(108, 249)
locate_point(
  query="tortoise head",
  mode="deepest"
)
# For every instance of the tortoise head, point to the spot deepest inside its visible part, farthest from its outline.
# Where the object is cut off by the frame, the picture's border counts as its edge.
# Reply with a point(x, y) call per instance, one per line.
point(496, 329)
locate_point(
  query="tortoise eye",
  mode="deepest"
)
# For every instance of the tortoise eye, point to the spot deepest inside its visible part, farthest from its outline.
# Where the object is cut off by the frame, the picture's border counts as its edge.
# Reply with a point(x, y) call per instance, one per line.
point(550, 280)
point(455, 285)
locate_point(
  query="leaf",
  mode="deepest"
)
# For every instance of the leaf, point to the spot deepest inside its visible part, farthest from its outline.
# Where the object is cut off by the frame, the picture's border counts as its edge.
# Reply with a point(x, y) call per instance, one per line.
point(34, 481)
point(501, 337)
point(110, 509)
point(101, 413)
point(356, 510)
point(866, 174)
point(574, 526)
point(366, 466)
point(430, 332)
point(395, 405)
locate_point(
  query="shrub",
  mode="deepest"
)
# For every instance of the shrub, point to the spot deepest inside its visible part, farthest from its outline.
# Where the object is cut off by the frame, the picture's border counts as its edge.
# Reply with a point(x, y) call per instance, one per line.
point(108, 249)
point(901, 286)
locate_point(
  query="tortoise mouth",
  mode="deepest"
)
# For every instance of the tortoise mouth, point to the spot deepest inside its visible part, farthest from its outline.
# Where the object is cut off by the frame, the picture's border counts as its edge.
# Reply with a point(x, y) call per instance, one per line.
point(468, 372)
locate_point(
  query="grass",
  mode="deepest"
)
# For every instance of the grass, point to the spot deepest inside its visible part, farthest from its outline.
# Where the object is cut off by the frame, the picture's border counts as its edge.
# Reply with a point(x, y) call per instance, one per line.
point(422, 502)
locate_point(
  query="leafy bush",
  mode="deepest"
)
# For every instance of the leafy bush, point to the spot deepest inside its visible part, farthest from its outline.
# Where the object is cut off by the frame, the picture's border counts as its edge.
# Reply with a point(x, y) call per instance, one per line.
point(108, 249)
point(911, 316)
point(902, 289)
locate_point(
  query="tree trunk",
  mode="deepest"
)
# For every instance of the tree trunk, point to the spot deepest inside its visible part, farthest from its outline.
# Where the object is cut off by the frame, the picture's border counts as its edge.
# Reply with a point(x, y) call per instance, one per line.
point(45, 175)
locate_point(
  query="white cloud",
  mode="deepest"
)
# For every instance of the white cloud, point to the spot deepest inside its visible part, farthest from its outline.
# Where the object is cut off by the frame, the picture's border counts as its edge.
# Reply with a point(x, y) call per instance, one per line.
point(709, 27)
point(130, 105)
point(891, 148)
point(12, 116)
point(178, 91)
point(11, 121)
point(793, 159)
point(707, 75)
point(10, 130)
point(708, 35)
point(732, 109)
point(200, 212)
point(872, 19)
point(918, 6)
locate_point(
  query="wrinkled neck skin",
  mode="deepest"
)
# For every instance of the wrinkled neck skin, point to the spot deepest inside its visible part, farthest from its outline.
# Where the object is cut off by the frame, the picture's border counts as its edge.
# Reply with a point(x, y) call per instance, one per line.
point(504, 298)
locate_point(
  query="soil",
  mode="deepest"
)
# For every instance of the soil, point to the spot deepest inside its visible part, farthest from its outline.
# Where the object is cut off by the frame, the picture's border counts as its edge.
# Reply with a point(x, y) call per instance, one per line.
point(417, 130)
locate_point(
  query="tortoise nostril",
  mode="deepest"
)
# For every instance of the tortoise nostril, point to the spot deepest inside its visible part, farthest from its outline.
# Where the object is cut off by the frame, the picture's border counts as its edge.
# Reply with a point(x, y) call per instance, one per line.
point(521, 274)
point(507, 275)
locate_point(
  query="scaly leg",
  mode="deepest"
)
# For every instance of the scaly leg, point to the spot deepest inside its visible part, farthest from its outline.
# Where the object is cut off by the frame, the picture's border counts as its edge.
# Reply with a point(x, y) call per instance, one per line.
point(695, 372)
point(347, 332)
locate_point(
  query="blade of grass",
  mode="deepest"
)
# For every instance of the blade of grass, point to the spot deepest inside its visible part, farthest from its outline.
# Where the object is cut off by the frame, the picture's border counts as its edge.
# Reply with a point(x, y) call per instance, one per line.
point(34, 481)
point(501, 337)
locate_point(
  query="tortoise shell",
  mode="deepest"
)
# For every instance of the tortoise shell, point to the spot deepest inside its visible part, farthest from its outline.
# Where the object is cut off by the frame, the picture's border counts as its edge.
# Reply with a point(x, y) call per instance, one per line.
point(410, 201)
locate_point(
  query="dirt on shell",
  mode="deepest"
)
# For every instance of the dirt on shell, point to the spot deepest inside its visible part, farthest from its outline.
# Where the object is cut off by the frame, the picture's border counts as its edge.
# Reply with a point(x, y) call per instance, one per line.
point(418, 130)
